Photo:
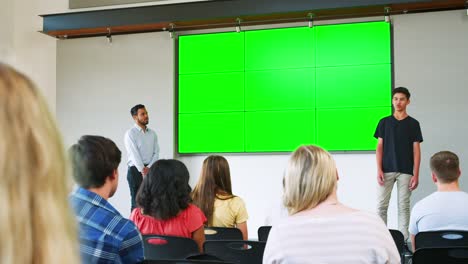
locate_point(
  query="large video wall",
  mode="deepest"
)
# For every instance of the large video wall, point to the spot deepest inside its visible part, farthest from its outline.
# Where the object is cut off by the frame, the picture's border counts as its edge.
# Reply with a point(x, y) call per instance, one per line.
point(272, 90)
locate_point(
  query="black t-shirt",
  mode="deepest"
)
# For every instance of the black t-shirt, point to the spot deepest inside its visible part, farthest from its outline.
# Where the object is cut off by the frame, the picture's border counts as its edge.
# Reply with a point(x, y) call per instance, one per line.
point(398, 139)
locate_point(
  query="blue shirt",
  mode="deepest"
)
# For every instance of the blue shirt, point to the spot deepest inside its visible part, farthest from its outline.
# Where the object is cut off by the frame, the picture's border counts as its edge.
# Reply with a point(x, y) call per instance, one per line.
point(105, 236)
point(142, 147)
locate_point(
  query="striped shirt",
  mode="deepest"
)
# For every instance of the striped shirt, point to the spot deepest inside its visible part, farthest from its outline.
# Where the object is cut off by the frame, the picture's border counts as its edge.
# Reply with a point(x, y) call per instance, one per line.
point(353, 237)
point(105, 236)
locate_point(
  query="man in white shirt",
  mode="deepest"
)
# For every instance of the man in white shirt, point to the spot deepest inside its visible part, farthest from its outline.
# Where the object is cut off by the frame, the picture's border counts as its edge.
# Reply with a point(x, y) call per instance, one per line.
point(446, 208)
point(142, 149)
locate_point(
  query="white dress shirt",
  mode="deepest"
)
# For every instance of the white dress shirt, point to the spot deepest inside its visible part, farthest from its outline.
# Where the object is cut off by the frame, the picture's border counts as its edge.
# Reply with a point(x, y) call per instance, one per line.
point(142, 147)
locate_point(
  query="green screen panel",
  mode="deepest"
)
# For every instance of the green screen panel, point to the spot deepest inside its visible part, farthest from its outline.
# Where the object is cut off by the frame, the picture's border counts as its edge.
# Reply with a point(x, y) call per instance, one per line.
point(279, 48)
point(353, 44)
point(354, 86)
point(280, 89)
point(217, 92)
point(349, 128)
point(278, 130)
point(219, 52)
point(219, 132)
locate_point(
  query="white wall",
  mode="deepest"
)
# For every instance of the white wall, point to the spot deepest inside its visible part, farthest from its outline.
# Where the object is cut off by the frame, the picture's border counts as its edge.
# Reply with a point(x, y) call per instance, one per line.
point(22, 46)
point(6, 32)
point(97, 83)
point(103, 81)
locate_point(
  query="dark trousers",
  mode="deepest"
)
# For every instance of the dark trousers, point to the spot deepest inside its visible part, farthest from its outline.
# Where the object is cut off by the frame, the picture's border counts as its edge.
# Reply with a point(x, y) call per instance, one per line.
point(134, 179)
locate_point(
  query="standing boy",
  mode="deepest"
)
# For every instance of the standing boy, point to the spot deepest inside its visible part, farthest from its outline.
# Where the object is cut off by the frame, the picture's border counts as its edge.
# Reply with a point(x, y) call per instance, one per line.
point(398, 158)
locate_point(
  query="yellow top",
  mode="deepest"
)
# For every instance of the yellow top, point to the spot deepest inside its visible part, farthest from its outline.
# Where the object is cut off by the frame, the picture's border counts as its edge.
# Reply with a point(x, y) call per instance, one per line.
point(228, 213)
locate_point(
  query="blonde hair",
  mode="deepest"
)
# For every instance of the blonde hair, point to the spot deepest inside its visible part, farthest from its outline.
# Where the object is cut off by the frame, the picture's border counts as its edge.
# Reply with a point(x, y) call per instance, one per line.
point(310, 178)
point(36, 222)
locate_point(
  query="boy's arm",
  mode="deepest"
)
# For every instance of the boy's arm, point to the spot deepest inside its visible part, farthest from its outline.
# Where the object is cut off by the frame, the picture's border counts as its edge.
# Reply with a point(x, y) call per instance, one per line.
point(417, 161)
point(379, 156)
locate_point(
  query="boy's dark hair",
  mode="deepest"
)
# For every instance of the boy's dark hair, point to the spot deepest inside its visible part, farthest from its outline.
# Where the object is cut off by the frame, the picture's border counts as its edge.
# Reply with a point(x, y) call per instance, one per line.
point(134, 110)
point(165, 190)
point(402, 90)
point(93, 159)
point(446, 166)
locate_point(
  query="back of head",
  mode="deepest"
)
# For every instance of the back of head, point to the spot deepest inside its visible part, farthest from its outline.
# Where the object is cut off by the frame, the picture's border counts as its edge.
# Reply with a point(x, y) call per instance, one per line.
point(215, 178)
point(446, 166)
point(35, 220)
point(94, 158)
point(310, 178)
point(165, 190)
point(402, 90)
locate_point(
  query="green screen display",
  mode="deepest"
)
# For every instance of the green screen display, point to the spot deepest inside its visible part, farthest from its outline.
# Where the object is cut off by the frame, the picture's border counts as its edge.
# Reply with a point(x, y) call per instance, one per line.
point(278, 130)
point(273, 90)
point(265, 90)
point(216, 132)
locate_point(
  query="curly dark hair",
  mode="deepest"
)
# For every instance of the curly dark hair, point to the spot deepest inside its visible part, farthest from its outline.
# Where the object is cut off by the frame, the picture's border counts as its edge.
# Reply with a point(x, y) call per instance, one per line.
point(165, 190)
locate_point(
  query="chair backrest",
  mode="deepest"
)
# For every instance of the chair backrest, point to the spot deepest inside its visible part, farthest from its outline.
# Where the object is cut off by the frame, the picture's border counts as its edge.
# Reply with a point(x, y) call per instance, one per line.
point(168, 247)
point(399, 240)
point(222, 233)
point(184, 261)
point(441, 256)
point(242, 252)
point(439, 239)
point(263, 233)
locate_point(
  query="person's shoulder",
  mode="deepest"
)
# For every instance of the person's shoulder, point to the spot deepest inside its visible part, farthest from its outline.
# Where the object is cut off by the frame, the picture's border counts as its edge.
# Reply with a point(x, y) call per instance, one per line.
point(192, 209)
point(127, 227)
point(365, 217)
point(237, 199)
point(413, 120)
point(193, 214)
point(426, 202)
point(131, 130)
point(385, 118)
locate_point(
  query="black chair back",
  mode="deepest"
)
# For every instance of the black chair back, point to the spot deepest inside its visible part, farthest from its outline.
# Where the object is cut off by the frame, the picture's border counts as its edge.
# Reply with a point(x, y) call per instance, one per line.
point(441, 256)
point(399, 240)
point(168, 247)
point(242, 252)
point(184, 261)
point(440, 239)
point(263, 233)
point(222, 233)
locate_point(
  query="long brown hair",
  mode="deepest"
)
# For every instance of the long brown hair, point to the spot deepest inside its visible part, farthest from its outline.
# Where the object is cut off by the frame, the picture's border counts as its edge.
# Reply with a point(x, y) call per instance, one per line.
point(214, 182)
point(36, 222)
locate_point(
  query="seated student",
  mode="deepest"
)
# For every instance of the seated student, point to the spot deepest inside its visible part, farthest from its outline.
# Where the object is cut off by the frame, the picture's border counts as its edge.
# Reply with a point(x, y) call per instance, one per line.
point(445, 209)
point(320, 229)
point(106, 237)
point(36, 221)
point(213, 194)
point(164, 203)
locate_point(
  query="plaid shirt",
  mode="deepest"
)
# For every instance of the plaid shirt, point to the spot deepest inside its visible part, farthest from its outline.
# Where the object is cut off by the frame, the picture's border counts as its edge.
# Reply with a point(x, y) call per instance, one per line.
point(105, 236)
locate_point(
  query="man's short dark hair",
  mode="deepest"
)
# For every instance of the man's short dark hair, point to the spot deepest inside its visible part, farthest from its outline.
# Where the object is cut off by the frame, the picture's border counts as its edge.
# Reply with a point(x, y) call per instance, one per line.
point(94, 158)
point(446, 166)
point(402, 90)
point(134, 110)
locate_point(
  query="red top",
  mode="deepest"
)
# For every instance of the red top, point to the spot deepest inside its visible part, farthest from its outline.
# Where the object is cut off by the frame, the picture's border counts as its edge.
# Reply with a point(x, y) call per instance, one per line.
point(182, 225)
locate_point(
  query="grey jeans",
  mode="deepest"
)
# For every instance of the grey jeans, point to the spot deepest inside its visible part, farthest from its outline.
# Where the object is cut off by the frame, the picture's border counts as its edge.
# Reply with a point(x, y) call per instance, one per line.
point(383, 195)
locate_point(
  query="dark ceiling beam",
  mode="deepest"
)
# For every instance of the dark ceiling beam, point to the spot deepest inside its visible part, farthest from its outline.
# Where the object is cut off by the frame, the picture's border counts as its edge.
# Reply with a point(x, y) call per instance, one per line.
point(223, 13)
